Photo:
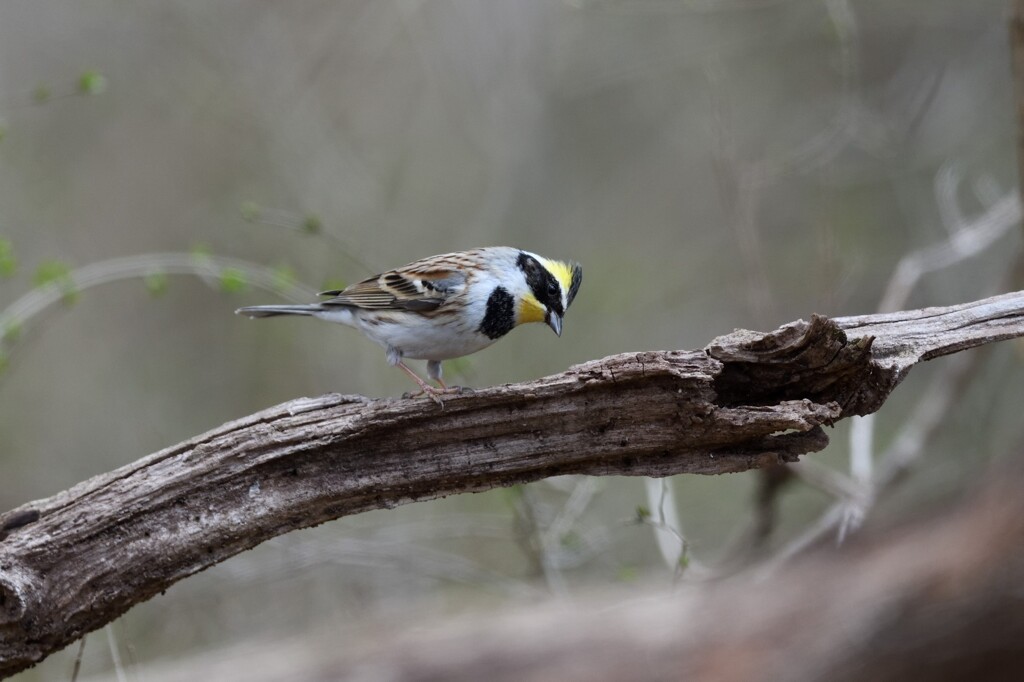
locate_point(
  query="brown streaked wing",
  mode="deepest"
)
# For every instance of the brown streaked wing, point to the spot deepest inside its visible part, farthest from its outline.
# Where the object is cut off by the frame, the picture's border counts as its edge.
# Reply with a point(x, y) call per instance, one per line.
point(417, 289)
point(444, 265)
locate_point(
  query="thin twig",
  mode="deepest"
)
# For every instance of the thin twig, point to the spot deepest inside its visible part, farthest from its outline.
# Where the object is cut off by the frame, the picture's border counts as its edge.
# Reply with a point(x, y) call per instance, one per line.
point(919, 429)
point(306, 224)
point(20, 313)
point(668, 535)
point(967, 238)
point(115, 654)
point(78, 659)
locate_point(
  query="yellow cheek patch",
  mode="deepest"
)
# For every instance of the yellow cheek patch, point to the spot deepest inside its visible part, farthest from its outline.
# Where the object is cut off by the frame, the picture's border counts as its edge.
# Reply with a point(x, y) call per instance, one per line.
point(530, 310)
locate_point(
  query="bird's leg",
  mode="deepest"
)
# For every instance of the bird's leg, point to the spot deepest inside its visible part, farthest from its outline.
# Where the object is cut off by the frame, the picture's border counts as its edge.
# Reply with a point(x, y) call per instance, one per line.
point(395, 360)
point(434, 372)
point(424, 386)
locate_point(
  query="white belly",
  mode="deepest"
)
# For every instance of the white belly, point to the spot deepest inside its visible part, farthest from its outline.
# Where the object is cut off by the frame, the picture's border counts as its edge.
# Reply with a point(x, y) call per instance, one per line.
point(414, 336)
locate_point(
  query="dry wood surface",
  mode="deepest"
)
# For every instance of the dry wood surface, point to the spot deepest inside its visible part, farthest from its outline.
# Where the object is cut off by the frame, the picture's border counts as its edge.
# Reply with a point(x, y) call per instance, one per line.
point(71, 563)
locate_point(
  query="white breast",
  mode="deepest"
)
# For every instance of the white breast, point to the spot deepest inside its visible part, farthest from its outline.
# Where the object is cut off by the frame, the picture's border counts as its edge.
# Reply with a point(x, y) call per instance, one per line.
point(424, 339)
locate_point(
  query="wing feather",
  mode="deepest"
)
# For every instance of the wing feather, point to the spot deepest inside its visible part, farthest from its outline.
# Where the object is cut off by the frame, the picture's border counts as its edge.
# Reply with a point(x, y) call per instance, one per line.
point(415, 287)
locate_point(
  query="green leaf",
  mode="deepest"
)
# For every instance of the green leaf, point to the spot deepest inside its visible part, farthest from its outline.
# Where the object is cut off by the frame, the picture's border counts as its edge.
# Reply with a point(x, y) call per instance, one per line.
point(156, 284)
point(3, 361)
point(684, 560)
point(251, 211)
point(8, 264)
point(57, 273)
point(41, 94)
point(92, 82)
point(642, 513)
point(51, 271)
point(232, 281)
point(312, 225)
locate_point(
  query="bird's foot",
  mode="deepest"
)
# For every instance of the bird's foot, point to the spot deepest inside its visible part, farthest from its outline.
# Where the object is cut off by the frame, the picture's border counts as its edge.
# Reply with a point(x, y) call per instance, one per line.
point(452, 390)
point(436, 394)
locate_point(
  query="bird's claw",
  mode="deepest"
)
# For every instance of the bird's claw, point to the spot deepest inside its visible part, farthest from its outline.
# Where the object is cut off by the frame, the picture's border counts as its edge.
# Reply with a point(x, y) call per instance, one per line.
point(436, 393)
point(430, 391)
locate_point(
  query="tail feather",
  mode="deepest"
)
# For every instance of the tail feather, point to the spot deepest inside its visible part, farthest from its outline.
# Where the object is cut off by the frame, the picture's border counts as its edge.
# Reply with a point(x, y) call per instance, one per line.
point(275, 310)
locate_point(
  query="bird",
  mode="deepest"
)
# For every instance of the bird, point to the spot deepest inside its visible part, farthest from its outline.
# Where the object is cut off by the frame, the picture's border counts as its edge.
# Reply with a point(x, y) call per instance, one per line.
point(447, 306)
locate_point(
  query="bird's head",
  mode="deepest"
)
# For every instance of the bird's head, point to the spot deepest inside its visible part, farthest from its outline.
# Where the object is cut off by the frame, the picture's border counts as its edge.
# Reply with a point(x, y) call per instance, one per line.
point(551, 286)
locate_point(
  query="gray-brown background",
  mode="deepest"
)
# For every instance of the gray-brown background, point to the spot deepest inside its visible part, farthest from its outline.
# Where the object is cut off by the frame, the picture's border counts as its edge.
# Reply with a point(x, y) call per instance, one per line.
point(713, 164)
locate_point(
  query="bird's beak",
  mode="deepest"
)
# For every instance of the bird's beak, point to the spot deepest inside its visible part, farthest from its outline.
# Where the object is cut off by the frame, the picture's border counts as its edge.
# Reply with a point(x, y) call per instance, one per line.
point(555, 322)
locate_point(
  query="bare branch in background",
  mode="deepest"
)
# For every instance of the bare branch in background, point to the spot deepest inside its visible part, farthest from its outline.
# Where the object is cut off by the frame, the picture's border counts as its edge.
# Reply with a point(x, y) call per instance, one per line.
point(749, 400)
point(856, 493)
point(915, 435)
point(665, 522)
point(216, 271)
point(307, 224)
point(967, 239)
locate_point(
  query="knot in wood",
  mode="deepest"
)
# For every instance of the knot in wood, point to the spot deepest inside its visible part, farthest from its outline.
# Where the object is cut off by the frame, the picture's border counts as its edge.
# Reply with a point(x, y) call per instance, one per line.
point(16, 584)
point(802, 360)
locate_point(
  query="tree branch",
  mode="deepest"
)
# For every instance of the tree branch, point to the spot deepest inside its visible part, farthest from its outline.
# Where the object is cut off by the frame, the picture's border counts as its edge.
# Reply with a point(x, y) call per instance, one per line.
point(936, 600)
point(73, 562)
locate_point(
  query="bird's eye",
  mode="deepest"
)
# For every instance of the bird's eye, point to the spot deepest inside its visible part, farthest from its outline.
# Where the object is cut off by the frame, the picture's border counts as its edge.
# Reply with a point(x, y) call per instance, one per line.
point(552, 289)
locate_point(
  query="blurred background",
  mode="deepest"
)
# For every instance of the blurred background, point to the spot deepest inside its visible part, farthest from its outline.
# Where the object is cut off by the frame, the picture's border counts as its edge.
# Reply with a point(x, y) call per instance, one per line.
point(713, 164)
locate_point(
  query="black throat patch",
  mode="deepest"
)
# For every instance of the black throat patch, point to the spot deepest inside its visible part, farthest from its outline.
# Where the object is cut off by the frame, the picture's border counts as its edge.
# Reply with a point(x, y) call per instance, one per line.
point(500, 317)
point(543, 285)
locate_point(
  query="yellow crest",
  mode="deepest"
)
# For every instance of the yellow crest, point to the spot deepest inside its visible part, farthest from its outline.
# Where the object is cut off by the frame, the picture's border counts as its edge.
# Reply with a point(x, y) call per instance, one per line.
point(563, 272)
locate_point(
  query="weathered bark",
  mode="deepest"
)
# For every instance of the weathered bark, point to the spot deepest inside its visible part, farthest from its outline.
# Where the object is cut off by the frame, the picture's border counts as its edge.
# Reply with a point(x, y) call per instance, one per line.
point(73, 562)
point(937, 600)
